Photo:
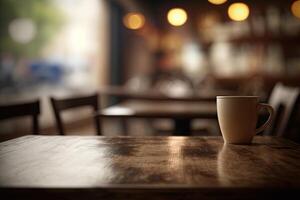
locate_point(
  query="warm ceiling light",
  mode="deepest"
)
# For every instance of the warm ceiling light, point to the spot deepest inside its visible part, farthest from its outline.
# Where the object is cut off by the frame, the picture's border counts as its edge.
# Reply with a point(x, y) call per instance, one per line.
point(296, 8)
point(217, 2)
point(238, 11)
point(134, 21)
point(177, 16)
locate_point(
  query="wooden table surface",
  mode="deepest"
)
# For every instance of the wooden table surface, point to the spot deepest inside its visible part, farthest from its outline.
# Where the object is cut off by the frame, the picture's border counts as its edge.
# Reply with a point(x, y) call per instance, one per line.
point(95, 167)
point(162, 109)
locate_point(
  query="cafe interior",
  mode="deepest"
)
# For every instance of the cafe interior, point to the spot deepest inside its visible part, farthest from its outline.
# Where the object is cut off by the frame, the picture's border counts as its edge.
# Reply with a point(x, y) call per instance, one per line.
point(146, 74)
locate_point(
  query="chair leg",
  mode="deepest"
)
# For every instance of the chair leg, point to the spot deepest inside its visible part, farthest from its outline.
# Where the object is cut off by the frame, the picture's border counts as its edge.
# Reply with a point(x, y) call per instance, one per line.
point(35, 125)
point(98, 124)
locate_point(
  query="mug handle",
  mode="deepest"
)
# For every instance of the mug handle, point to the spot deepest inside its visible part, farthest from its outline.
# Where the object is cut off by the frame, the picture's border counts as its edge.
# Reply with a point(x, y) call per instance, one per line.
point(268, 122)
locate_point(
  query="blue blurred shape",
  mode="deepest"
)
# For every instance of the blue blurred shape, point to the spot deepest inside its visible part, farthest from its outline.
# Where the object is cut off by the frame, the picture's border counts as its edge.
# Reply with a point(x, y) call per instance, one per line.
point(43, 71)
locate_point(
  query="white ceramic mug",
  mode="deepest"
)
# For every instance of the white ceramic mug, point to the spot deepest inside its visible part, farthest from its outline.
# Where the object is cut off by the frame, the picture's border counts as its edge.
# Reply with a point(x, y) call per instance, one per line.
point(237, 116)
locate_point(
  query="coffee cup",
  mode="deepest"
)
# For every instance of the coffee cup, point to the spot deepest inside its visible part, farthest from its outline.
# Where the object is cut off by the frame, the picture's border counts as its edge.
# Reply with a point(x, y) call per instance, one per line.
point(237, 116)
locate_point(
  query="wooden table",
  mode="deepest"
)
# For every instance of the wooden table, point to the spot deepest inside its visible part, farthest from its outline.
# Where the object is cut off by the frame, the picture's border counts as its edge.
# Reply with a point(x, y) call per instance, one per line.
point(182, 113)
point(126, 93)
point(95, 167)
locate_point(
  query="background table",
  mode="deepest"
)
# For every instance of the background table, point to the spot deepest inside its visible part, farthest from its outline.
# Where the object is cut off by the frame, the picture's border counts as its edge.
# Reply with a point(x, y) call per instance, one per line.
point(151, 94)
point(181, 113)
point(95, 167)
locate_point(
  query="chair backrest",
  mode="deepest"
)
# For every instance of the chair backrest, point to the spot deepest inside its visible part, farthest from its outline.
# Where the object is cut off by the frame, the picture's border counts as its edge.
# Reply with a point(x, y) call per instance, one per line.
point(59, 105)
point(285, 101)
point(21, 110)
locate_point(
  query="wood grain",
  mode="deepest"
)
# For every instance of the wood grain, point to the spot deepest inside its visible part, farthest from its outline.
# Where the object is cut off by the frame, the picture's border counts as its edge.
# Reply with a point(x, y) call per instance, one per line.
point(75, 167)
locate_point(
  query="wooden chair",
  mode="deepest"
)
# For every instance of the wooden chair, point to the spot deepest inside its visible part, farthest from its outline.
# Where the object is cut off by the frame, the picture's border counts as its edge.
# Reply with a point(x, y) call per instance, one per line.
point(21, 110)
point(75, 102)
point(285, 101)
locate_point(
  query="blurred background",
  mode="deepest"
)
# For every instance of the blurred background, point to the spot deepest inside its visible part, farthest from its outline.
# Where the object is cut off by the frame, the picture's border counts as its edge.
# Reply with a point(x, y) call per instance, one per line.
point(59, 47)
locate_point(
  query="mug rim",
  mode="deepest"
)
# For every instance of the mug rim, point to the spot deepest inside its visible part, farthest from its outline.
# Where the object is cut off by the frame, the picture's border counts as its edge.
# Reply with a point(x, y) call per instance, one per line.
point(232, 97)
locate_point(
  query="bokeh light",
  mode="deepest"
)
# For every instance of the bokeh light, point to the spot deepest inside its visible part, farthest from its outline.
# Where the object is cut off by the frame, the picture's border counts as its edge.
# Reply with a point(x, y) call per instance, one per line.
point(22, 30)
point(238, 11)
point(177, 16)
point(217, 2)
point(134, 21)
point(295, 8)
